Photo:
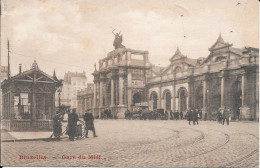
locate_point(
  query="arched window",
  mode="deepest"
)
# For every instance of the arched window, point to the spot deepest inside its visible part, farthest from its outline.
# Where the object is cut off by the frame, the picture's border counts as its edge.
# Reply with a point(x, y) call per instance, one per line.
point(178, 69)
point(154, 99)
point(168, 101)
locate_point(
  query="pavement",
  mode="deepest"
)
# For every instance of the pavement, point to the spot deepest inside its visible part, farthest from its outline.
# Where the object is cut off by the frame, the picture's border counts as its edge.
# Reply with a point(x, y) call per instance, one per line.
point(24, 136)
point(135, 143)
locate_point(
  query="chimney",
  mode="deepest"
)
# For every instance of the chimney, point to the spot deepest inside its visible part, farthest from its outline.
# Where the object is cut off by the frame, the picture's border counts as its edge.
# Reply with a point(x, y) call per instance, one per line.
point(20, 68)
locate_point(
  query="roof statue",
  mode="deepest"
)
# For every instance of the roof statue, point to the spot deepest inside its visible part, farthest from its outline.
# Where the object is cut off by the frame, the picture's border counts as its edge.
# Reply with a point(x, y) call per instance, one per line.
point(35, 65)
point(118, 40)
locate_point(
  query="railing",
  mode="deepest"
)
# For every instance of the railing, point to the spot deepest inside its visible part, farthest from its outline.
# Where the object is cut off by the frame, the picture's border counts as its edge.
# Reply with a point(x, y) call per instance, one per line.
point(44, 124)
point(6, 124)
point(20, 124)
point(26, 124)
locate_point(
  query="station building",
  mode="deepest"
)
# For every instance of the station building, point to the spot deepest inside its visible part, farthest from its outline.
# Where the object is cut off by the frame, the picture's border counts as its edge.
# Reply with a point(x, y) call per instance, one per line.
point(227, 77)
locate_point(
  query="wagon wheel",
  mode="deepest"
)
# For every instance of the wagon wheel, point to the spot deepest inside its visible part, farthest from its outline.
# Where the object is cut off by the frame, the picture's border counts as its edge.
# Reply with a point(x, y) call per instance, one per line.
point(82, 128)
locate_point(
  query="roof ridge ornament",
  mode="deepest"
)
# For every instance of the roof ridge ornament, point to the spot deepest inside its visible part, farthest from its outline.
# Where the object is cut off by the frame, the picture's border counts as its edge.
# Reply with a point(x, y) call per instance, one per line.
point(220, 39)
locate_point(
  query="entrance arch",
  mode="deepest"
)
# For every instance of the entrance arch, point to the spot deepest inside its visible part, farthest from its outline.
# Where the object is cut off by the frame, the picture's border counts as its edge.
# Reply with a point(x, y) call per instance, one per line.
point(183, 96)
point(215, 99)
point(167, 99)
point(137, 97)
point(236, 101)
point(154, 99)
point(199, 97)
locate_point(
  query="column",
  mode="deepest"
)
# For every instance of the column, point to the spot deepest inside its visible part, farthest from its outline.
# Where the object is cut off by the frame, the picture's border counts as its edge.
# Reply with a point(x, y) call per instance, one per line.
point(121, 89)
point(86, 105)
point(95, 95)
point(105, 94)
point(101, 94)
point(244, 110)
point(129, 90)
point(204, 108)
point(243, 89)
point(222, 89)
point(173, 96)
point(189, 102)
point(112, 93)
point(128, 56)
point(33, 120)
point(160, 98)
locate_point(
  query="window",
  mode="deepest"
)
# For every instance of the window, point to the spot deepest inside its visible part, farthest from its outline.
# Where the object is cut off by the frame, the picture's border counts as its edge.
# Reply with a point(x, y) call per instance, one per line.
point(21, 106)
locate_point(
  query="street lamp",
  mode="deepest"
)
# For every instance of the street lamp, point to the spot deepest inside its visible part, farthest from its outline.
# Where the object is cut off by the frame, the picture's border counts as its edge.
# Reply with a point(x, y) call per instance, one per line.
point(59, 90)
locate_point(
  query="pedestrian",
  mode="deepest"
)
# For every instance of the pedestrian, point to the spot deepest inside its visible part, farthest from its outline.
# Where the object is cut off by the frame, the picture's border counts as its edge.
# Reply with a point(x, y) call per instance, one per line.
point(238, 114)
point(72, 125)
point(189, 115)
point(194, 116)
point(166, 115)
point(220, 117)
point(171, 115)
point(181, 114)
point(89, 122)
point(226, 116)
point(197, 116)
point(177, 115)
point(57, 126)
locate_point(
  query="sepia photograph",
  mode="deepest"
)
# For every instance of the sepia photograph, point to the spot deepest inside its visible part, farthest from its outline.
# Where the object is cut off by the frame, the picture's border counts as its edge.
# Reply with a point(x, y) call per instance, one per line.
point(129, 83)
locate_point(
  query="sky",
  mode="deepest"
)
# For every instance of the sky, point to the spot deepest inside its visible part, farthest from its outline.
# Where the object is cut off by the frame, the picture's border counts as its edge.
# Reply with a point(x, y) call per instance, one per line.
point(72, 35)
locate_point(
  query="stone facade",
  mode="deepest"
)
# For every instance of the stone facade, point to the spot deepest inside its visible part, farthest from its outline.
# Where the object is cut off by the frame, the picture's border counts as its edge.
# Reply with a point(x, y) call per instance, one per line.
point(120, 81)
point(228, 77)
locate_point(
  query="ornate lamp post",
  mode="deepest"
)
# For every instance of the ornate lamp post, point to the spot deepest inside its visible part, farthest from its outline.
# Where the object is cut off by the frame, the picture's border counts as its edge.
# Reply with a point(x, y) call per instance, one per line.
point(59, 90)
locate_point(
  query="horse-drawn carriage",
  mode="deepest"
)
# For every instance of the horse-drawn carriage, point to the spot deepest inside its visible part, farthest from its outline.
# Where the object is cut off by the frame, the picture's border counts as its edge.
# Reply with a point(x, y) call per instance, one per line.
point(141, 111)
point(137, 113)
point(106, 114)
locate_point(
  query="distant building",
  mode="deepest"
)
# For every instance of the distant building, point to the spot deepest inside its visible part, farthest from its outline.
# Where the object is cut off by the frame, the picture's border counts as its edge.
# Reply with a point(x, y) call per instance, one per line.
point(73, 81)
point(85, 99)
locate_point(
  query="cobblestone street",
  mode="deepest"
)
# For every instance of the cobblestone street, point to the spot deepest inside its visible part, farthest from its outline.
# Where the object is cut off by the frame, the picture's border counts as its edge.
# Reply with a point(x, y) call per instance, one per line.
point(135, 143)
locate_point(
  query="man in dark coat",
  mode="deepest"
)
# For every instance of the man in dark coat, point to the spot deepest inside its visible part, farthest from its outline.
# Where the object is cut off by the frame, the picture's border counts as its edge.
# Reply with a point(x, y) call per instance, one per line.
point(226, 116)
point(194, 116)
point(171, 115)
point(238, 114)
point(197, 116)
point(219, 117)
point(181, 114)
point(166, 115)
point(57, 126)
point(189, 115)
point(72, 125)
point(89, 121)
point(177, 115)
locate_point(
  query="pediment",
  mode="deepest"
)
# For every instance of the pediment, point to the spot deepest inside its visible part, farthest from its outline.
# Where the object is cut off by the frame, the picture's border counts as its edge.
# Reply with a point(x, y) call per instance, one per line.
point(220, 43)
point(177, 55)
point(28, 76)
